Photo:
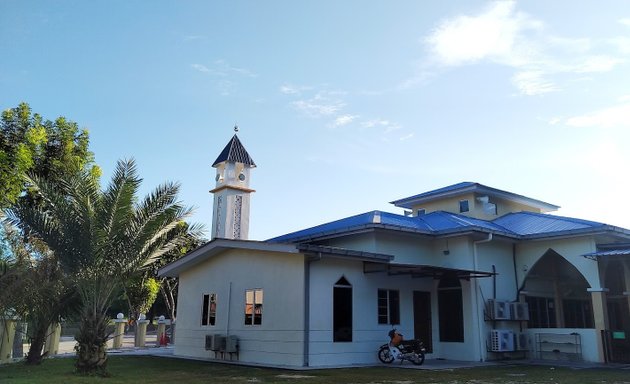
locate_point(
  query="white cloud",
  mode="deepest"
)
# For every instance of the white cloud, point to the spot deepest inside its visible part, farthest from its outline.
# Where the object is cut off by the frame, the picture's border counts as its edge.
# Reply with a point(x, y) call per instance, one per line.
point(599, 63)
point(200, 67)
point(554, 121)
point(616, 116)
point(193, 37)
point(289, 89)
point(625, 21)
point(318, 106)
point(374, 123)
point(386, 125)
point(503, 35)
point(224, 67)
point(344, 120)
point(492, 34)
point(407, 137)
point(532, 83)
point(622, 43)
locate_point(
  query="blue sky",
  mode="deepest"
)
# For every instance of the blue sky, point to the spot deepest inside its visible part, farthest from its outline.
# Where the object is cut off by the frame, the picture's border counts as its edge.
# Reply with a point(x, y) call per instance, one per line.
point(344, 105)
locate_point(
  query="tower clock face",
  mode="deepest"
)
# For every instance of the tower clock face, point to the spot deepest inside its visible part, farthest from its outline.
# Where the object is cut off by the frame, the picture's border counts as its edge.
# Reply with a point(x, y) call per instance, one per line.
point(241, 177)
point(217, 177)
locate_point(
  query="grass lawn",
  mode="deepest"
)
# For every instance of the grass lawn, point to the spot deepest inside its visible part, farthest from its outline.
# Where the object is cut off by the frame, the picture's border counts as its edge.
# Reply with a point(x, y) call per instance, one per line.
point(144, 369)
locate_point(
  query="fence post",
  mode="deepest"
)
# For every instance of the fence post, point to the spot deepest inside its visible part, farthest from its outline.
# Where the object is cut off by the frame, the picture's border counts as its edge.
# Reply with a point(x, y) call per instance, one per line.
point(161, 331)
point(141, 331)
point(119, 331)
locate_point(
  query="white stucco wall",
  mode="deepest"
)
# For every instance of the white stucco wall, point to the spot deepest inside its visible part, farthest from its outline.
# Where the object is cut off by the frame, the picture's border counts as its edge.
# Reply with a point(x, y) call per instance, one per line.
point(572, 249)
point(588, 350)
point(279, 339)
point(368, 335)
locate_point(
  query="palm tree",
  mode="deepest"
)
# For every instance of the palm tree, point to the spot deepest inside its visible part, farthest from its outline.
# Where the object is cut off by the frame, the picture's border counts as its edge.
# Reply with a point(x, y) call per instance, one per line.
point(101, 238)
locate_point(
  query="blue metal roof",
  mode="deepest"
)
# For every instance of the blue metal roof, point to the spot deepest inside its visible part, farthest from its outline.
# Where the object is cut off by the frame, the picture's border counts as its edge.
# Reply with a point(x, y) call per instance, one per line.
point(470, 187)
point(354, 223)
point(518, 225)
point(530, 223)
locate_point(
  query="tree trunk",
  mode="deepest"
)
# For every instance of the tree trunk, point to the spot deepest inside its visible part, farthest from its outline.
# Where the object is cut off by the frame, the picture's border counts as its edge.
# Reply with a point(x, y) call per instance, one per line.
point(91, 345)
point(34, 356)
point(168, 290)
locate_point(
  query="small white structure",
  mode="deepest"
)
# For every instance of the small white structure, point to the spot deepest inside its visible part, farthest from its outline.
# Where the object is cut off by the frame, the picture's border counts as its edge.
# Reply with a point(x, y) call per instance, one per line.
point(473, 271)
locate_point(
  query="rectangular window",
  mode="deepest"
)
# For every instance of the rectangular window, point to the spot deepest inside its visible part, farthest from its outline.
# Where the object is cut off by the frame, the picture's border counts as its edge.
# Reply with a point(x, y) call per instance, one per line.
point(577, 313)
point(209, 309)
point(463, 206)
point(388, 306)
point(542, 313)
point(421, 211)
point(253, 306)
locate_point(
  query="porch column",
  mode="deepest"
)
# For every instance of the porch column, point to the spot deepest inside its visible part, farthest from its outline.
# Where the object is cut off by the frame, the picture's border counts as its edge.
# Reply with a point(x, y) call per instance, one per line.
point(51, 347)
point(600, 317)
point(7, 332)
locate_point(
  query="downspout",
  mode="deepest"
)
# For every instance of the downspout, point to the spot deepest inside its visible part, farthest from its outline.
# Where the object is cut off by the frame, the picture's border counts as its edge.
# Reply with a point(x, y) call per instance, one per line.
point(476, 286)
point(518, 289)
point(307, 307)
point(229, 301)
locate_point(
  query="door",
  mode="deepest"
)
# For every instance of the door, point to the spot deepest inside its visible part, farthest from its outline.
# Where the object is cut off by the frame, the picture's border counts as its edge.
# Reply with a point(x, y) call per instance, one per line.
point(422, 319)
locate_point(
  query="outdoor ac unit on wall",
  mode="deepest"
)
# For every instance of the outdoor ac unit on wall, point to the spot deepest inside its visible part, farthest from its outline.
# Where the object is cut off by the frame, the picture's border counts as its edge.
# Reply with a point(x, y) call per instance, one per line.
point(501, 340)
point(215, 343)
point(498, 310)
point(231, 344)
point(520, 311)
point(522, 341)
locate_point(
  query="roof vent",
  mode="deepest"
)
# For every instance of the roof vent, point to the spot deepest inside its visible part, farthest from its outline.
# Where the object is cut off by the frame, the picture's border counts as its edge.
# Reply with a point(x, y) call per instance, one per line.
point(377, 217)
point(483, 199)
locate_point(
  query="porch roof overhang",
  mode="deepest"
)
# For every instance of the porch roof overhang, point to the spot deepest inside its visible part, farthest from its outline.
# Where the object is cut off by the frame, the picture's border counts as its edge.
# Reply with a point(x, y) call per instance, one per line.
point(421, 271)
point(323, 250)
point(616, 253)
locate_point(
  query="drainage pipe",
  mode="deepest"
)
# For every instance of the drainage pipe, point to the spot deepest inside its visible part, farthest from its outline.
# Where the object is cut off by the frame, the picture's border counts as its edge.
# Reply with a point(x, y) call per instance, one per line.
point(307, 307)
point(476, 296)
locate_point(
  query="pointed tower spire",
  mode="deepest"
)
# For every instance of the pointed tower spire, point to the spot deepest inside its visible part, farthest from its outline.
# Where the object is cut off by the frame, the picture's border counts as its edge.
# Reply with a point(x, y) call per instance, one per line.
point(234, 151)
point(232, 192)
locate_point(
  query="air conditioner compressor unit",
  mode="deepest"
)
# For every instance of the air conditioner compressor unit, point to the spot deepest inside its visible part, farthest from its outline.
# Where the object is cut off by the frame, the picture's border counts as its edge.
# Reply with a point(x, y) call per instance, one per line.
point(501, 340)
point(498, 310)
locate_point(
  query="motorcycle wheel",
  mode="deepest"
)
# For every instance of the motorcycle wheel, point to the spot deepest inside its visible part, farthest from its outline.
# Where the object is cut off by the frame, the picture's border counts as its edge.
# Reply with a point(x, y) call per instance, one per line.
point(419, 359)
point(385, 356)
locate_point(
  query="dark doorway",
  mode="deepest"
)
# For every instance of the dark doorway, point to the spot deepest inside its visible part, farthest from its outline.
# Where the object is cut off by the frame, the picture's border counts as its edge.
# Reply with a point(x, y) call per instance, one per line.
point(422, 319)
point(450, 309)
point(342, 311)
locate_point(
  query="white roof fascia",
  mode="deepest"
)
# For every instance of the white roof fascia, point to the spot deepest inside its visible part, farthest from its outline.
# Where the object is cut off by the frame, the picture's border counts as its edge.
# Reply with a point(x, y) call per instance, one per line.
point(216, 246)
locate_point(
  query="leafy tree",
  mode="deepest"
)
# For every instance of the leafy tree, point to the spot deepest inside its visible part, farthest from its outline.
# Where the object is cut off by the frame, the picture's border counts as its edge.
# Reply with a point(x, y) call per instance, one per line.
point(169, 285)
point(33, 288)
point(52, 149)
point(30, 144)
point(141, 292)
point(102, 237)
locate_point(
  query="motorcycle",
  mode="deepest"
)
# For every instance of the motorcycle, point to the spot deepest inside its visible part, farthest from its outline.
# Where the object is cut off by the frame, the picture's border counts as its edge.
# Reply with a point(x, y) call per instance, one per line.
point(399, 349)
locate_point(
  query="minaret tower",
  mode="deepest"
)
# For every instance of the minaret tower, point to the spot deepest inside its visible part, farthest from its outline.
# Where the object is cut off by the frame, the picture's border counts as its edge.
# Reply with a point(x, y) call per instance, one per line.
point(232, 192)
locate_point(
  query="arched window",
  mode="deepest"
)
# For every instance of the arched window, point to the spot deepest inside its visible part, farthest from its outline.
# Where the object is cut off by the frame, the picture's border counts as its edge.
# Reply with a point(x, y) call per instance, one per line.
point(342, 311)
point(450, 309)
point(557, 294)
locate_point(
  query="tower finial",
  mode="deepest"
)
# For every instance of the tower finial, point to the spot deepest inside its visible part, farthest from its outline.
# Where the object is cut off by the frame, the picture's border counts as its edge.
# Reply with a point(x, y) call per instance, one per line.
point(235, 127)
